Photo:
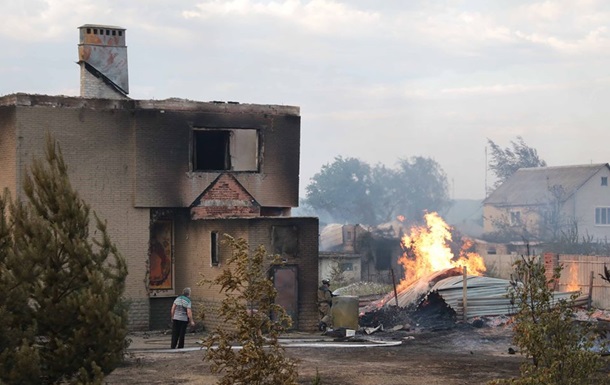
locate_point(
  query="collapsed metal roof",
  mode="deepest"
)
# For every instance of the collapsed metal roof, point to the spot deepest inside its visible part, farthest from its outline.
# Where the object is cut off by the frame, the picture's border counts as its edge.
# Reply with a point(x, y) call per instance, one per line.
point(485, 296)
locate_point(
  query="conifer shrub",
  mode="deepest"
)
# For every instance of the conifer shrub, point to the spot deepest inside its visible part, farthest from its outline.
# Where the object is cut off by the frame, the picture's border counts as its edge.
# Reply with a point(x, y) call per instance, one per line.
point(62, 312)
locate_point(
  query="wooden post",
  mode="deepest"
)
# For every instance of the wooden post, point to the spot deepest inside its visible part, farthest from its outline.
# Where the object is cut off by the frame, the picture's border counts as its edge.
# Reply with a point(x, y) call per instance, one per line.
point(590, 298)
point(394, 283)
point(465, 293)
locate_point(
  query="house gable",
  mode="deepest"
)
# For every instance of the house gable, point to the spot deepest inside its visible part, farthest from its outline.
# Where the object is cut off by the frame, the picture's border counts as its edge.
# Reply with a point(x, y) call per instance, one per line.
point(532, 186)
point(535, 201)
point(225, 198)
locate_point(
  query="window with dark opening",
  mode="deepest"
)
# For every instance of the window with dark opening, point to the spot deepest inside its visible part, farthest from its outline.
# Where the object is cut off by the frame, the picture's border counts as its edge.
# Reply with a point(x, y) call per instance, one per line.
point(214, 257)
point(225, 149)
point(285, 240)
point(383, 254)
point(604, 181)
point(211, 150)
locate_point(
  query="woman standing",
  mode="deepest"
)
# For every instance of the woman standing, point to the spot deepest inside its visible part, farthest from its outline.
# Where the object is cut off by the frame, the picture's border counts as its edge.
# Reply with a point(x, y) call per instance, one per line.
point(182, 315)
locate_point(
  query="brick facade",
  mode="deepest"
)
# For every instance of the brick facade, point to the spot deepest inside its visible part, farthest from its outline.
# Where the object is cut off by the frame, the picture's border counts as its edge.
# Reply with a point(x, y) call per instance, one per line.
point(129, 158)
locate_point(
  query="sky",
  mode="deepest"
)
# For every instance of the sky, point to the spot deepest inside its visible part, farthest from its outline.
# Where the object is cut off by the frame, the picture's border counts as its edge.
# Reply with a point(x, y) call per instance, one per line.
point(375, 80)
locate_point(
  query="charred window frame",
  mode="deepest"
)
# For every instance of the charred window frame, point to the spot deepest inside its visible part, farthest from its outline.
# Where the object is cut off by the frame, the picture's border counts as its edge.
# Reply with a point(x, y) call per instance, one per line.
point(285, 240)
point(214, 249)
point(225, 149)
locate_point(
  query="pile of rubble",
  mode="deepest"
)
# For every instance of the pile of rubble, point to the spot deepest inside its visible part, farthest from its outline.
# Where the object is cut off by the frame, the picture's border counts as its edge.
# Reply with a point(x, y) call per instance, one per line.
point(437, 301)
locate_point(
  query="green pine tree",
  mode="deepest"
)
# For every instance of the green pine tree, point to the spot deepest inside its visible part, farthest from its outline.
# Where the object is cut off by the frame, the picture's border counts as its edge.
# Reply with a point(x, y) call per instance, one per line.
point(62, 309)
point(251, 319)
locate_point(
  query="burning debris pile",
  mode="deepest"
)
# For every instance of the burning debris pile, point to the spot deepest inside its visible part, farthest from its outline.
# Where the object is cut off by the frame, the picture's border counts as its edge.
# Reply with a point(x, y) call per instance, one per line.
point(427, 260)
point(439, 287)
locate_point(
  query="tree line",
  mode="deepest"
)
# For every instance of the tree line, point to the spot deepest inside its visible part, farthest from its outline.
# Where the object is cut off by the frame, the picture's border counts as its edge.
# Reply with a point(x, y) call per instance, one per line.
point(349, 190)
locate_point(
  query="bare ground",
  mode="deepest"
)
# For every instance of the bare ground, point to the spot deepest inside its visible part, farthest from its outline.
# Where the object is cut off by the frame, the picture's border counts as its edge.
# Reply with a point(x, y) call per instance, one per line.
point(458, 355)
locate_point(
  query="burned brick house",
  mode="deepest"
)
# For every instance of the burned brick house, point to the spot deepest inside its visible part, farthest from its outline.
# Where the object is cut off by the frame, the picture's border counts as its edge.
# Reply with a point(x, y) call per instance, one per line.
point(171, 177)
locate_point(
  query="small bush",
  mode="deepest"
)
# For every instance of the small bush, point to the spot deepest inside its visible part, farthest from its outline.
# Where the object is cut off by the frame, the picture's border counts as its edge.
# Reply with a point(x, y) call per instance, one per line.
point(251, 319)
point(557, 348)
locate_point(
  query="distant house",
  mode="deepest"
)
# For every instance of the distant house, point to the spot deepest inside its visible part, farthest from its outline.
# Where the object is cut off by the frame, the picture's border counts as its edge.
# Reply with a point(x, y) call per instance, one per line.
point(338, 256)
point(355, 252)
point(546, 202)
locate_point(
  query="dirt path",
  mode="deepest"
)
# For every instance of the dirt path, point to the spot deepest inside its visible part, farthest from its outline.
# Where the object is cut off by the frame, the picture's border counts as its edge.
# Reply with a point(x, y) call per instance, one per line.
point(461, 355)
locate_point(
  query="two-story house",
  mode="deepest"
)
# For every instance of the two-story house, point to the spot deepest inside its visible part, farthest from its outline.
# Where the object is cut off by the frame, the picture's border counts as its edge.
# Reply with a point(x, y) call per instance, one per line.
point(171, 177)
point(546, 203)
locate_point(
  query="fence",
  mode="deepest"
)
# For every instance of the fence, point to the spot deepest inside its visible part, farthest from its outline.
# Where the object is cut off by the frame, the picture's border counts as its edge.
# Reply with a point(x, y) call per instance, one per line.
point(580, 272)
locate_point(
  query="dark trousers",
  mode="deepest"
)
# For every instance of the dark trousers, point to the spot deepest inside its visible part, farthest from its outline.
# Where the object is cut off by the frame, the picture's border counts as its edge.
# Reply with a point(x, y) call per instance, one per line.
point(178, 333)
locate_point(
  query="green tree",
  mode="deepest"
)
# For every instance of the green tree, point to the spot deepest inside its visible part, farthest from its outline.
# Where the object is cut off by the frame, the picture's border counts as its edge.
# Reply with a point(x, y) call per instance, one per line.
point(350, 190)
point(556, 346)
point(505, 161)
point(62, 313)
point(342, 189)
point(423, 187)
point(251, 318)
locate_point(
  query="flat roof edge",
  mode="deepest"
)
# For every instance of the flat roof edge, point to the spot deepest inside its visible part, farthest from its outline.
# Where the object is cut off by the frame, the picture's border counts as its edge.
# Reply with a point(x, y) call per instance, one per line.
point(171, 104)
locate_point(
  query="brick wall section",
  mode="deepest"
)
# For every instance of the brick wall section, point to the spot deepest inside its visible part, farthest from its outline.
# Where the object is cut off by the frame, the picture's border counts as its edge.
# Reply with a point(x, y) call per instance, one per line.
point(8, 150)
point(224, 212)
point(225, 198)
point(551, 261)
point(206, 314)
point(94, 87)
point(226, 187)
point(162, 142)
point(97, 146)
point(139, 313)
point(192, 259)
point(306, 260)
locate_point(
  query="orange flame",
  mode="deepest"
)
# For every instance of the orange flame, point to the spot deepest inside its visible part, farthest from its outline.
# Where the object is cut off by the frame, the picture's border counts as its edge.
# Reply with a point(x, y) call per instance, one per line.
point(573, 278)
point(428, 251)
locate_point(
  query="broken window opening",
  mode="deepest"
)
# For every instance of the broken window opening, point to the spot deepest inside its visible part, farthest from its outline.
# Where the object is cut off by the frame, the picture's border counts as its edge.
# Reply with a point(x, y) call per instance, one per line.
point(225, 150)
point(285, 240)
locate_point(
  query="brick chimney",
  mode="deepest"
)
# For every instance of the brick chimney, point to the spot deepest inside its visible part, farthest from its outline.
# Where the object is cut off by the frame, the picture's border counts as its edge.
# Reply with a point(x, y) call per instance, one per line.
point(102, 57)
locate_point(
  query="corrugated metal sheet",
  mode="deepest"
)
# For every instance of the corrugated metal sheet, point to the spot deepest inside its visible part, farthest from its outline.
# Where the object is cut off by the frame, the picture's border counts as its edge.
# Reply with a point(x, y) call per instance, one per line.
point(485, 296)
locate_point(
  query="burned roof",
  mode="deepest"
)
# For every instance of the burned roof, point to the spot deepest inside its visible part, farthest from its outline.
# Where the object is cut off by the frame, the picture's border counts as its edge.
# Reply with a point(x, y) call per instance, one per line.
point(486, 296)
